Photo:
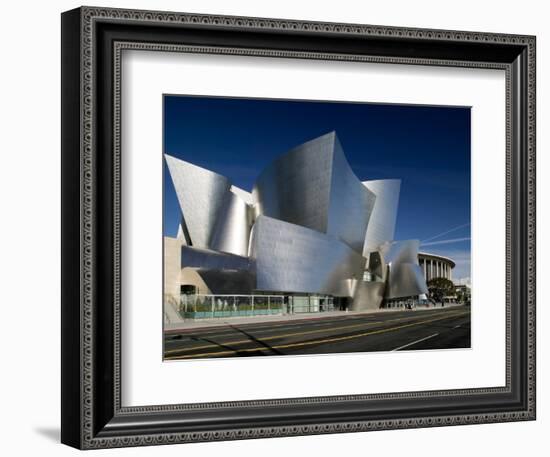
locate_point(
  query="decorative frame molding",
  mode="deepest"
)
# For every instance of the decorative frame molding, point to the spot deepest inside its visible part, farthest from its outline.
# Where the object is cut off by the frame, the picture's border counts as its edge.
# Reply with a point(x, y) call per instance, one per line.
point(93, 40)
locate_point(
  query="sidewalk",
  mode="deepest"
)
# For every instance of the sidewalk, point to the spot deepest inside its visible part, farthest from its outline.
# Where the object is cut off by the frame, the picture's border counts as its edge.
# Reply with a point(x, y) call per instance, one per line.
point(190, 324)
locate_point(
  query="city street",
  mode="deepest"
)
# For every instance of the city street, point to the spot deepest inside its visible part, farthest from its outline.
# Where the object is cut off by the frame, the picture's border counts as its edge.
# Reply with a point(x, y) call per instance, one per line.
point(441, 328)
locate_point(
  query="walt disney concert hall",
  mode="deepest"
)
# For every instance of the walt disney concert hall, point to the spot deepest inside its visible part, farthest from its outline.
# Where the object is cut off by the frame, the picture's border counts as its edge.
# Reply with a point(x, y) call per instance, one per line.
point(309, 228)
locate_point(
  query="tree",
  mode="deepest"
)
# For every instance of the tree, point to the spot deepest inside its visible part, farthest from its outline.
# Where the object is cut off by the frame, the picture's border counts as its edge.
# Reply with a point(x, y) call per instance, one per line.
point(439, 288)
point(463, 294)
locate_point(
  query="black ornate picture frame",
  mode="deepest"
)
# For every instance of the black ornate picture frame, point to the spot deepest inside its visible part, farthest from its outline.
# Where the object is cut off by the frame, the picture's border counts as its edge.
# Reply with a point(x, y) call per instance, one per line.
point(92, 41)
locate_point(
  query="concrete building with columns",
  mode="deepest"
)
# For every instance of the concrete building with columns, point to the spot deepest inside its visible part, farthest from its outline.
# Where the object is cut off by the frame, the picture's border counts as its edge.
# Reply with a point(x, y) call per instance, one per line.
point(435, 266)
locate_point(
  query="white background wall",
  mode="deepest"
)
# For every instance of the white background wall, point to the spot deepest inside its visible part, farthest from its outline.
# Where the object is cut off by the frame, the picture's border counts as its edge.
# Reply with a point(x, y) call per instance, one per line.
point(30, 240)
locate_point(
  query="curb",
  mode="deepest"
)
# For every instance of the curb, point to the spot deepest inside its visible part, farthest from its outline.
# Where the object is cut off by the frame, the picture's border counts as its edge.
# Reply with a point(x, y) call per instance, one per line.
point(222, 323)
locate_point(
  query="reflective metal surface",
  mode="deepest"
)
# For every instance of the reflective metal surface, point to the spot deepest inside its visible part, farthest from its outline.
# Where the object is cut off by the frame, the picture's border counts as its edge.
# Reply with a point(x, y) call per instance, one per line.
point(394, 252)
point(232, 229)
point(246, 196)
point(292, 258)
point(313, 186)
point(406, 280)
point(381, 226)
point(201, 194)
point(295, 188)
point(205, 258)
point(219, 281)
point(405, 277)
point(368, 296)
point(216, 215)
point(351, 203)
point(308, 226)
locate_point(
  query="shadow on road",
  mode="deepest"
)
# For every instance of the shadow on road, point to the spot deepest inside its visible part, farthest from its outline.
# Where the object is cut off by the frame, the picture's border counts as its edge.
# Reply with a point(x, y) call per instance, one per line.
point(241, 352)
point(256, 340)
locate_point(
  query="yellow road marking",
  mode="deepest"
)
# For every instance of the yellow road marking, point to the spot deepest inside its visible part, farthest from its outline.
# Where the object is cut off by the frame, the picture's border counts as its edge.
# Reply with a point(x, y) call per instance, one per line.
point(323, 341)
point(286, 335)
point(267, 327)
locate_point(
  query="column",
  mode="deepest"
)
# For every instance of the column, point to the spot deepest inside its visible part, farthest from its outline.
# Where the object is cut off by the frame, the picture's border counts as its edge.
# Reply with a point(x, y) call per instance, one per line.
point(424, 267)
point(427, 269)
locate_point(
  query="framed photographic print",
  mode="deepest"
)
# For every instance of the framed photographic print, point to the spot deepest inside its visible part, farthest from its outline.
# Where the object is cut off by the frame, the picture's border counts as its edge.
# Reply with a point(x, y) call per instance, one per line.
point(274, 227)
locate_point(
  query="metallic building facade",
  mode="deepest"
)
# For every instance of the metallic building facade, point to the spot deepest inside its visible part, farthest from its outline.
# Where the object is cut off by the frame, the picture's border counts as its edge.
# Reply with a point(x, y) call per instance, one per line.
point(292, 258)
point(404, 275)
point(314, 186)
point(309, 226)
point(384, 213)
point(232, 227)
point(201, 195)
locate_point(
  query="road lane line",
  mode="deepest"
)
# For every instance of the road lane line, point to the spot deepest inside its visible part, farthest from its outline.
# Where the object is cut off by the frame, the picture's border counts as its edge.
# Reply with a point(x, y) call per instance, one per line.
point(224, 330)
point(308, 343)
point(263, 328)
point(414, 342)
point(268, 338)
point(285, 335)
point(267, 327)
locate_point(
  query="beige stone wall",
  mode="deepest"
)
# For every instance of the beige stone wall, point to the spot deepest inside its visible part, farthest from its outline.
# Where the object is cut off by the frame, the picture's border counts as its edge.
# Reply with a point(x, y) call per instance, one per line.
point(172, 268)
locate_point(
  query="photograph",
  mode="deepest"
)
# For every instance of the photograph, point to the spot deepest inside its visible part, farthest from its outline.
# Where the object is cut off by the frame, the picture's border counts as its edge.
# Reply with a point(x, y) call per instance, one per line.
point(284, 223)
point(307, 227)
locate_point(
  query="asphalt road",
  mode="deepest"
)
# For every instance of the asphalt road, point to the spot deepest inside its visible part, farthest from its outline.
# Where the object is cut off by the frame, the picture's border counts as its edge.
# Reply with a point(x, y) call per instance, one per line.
point(391, 331)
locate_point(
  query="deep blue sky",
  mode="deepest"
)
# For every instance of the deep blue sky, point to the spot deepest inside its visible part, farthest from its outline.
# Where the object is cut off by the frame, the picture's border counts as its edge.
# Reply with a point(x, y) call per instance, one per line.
point(427, 147)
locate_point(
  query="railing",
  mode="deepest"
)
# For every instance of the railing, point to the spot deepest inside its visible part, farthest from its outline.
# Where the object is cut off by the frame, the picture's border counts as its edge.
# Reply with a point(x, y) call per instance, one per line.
point(201, 306)
point(310, 304)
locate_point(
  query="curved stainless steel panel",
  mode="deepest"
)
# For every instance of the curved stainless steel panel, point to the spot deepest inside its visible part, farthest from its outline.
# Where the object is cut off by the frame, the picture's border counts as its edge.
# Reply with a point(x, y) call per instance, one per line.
point(232, 230)
point(201, 194)
point(213, 260)
point(405, 275)
point(295, 188)
point(351, 203)
point(381, 226)
point(246, 196)
point(394, 252)
point(228, 282)
point(180, 235)
point(406, 280)
point(377, 266)
point(219, 281)
point(368, 295)
point(313, 186)
point(292, 258)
